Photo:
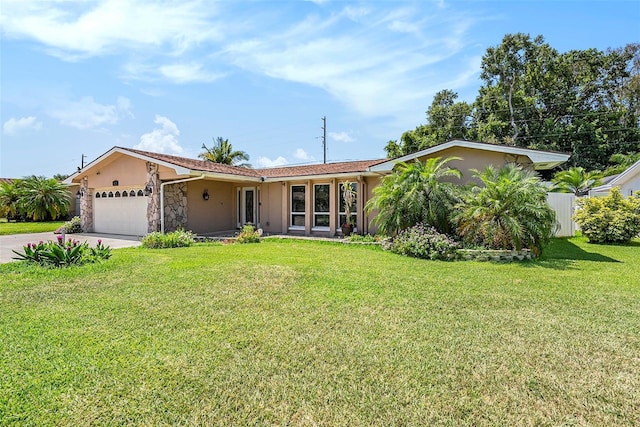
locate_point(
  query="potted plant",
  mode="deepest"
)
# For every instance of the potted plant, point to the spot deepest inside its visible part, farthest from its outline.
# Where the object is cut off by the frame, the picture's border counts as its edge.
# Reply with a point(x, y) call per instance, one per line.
point(349, 196)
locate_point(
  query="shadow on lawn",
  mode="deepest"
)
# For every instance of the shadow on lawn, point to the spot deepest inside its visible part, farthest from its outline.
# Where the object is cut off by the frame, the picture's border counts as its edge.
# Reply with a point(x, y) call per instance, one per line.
point(561, 254)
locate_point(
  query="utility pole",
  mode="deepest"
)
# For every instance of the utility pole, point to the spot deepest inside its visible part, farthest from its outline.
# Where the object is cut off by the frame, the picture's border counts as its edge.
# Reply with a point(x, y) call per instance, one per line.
point(324, 137)
point(82, 162)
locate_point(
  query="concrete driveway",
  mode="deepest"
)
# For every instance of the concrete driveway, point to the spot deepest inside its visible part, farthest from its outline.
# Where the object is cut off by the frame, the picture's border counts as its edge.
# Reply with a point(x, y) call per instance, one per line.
point(17, 241)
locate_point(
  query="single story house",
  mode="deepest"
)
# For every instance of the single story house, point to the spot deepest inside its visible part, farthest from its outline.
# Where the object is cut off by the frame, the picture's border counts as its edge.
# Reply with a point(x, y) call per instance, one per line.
point(628, 182)
point(129, 191)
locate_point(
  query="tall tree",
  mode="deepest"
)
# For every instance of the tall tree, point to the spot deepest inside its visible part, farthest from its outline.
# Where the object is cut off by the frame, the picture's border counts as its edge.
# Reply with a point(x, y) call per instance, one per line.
point(446, 120)
point(222, 152)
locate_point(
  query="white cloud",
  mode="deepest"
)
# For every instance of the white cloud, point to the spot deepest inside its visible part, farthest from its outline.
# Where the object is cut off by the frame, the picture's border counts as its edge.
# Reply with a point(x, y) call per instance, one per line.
point(88, 114)
point(13, 125)
point(72, 31)
point(163, 139)
point(187, 73)
point(300, 154)
point(265, 162)
point(384, 65)
point(341, 136)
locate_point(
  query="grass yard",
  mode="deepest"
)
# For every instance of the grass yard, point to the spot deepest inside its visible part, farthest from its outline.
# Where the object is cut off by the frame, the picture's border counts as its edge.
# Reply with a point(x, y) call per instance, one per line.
point(310, 333)
point(27, 227)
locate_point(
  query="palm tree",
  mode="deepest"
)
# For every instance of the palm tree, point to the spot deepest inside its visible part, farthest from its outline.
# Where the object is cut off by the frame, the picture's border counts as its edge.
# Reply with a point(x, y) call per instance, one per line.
point(9, 199)
point(576, 180)
point(415, 193)
point(44, 199)
point(510, 211)
point(222, 152)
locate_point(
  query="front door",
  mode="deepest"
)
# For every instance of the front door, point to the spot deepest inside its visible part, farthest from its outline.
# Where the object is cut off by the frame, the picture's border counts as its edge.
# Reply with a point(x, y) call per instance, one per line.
point(248, 206)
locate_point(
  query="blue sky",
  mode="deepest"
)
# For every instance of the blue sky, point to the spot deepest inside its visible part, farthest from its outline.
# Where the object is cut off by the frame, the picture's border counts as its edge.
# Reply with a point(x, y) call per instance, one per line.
point(81, 77)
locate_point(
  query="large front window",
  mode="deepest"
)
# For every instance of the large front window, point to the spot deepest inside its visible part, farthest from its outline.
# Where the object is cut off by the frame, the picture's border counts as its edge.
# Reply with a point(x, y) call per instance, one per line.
point(342, 213)
point(297, 206)
point(321, 205)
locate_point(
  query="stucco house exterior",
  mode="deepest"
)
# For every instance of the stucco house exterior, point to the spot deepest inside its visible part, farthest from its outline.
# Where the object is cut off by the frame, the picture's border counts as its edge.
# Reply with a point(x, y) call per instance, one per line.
point(129, 191)
point(628, 182)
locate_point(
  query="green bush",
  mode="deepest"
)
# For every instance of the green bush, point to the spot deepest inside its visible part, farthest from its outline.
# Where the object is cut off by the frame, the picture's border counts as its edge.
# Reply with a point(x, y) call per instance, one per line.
point(249, 235)
point(72, 226)
point(62, 254)
point(176, 239)
point(367, 238)
point(425, 242)
point(610, 219)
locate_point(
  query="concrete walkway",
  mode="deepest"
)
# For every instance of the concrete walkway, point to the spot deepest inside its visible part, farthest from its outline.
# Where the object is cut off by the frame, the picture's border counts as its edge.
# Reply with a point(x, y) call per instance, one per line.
point(17, 241)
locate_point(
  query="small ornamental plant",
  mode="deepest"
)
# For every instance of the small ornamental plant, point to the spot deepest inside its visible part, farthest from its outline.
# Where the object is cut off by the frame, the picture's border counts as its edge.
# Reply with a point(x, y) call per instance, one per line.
point(421, 241)
point(61, 253)
point(74, 225)
point(175, 239)
point(249, 235)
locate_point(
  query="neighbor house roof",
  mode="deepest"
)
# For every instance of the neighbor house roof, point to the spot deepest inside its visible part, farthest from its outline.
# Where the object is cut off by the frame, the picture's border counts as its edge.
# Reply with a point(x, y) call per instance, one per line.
point(6, 180)
point(620, 179)
point(542, 160)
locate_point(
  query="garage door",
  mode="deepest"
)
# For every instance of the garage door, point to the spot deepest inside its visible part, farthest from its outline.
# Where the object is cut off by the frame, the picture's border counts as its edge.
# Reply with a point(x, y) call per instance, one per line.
point(117, 213)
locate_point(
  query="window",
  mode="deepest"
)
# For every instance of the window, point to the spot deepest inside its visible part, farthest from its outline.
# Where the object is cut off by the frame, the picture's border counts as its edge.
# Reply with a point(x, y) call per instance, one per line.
point(321, 205)
point(117, 194)
point(98, 195)
point(125, 194)
point(110, 193)
point(297, 206)
point(342, 214)
point(140, 193)
point(132, 193)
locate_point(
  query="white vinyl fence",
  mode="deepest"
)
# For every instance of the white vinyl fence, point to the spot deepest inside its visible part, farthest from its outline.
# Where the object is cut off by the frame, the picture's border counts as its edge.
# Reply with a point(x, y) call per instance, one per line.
point(564, 205)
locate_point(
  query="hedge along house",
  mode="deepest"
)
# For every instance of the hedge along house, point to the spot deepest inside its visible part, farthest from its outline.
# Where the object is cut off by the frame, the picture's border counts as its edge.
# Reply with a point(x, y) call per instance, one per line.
point(127, 191)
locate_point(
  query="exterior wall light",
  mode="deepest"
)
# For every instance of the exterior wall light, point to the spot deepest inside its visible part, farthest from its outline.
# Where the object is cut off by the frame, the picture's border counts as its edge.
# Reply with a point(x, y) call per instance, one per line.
point(148, 190)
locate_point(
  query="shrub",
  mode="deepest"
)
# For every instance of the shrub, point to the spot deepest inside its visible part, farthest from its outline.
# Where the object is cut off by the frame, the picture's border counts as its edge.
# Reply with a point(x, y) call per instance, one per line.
point(175, 239)
point(510, 211)
point(367, 238)
point(62, 254)
point(249, 235)
point(70, 227)
point(610, 219)
point(425, 242)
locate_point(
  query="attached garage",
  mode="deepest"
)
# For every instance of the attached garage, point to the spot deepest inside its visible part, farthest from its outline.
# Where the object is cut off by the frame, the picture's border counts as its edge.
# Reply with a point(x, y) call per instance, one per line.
point(120, 212)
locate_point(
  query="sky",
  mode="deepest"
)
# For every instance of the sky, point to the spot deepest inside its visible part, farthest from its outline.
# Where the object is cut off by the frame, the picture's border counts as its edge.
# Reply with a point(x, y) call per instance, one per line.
point(79, 77)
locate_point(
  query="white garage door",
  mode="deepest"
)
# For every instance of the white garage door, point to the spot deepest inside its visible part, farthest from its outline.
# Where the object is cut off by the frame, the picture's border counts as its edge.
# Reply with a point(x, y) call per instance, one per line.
point(120, 215)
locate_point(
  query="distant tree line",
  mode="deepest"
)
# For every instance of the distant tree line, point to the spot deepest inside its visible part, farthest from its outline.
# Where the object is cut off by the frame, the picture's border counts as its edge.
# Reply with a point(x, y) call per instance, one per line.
point(585, 102)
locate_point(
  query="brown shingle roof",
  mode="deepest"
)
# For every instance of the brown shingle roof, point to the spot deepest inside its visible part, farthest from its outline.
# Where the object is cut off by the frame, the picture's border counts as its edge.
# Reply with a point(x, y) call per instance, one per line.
point(320, 169)
point(198, 165)
point(6, 180)
point(277, 172)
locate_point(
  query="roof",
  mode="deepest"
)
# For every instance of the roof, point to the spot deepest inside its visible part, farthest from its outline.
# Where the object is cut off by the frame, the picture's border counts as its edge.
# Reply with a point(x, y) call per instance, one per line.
point(196, 164)
point(188, 166)
point(620, 179)
point(319, 169)
point(541, 159)
point(6, 180)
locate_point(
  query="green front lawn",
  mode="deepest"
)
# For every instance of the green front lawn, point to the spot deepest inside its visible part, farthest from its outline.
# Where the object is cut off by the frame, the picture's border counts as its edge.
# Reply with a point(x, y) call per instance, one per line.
point(28, 227)
point(309, 333)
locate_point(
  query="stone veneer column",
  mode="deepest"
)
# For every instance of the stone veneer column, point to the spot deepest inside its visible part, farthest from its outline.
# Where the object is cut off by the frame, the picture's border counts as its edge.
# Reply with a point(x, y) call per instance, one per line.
point(153, 204)
point(86, 206)
point(175, 206)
